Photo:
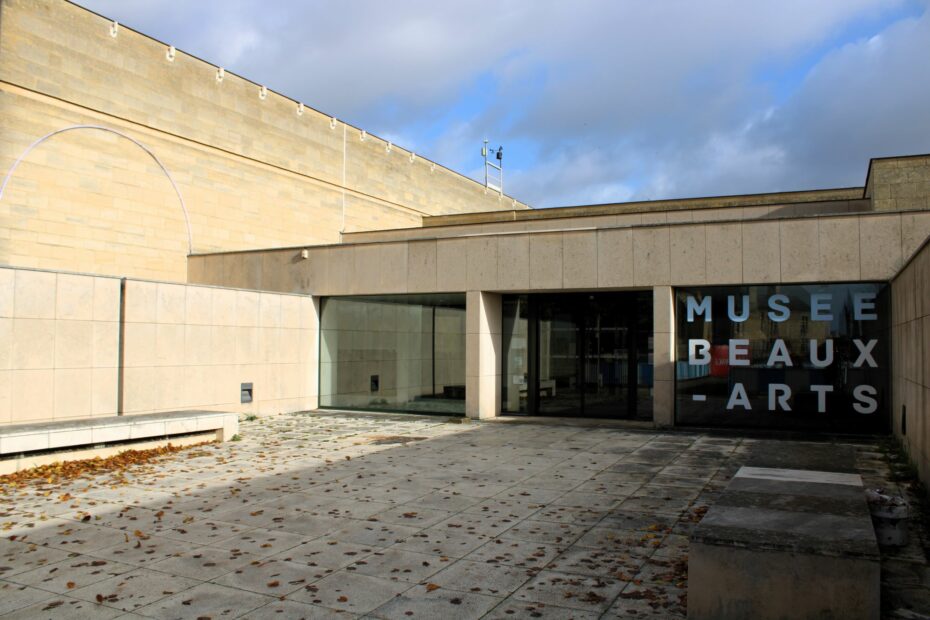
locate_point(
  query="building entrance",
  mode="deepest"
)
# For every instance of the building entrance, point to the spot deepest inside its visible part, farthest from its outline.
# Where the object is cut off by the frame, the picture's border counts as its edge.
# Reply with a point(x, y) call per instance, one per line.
point(581, 355)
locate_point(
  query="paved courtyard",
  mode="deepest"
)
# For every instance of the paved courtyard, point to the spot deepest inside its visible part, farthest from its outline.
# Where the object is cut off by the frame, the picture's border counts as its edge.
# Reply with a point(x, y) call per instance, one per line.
point(332, 516)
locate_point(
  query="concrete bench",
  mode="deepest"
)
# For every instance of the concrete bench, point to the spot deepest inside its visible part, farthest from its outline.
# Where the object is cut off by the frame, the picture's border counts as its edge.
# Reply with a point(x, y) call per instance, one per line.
point(24, 441)
point(787, 542)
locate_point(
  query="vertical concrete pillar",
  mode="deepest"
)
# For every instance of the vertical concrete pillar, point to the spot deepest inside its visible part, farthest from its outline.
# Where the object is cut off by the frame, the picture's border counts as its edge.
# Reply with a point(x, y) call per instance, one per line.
point(663, 404)
point(310, 317)
point(482, 354)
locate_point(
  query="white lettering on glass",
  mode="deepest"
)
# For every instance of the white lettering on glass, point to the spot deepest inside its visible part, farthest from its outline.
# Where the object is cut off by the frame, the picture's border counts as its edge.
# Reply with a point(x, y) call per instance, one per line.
point(738, 397)
point(696, 308)
point(864, 394)
point(865, 353)
point(779, 354)
point(821, 391)
point(862, 303)
point(821, 309)
point(698, 352)
point(739, 347)
point(779, 393)
point(816, 362)
point(731, 309)
point(778, 308)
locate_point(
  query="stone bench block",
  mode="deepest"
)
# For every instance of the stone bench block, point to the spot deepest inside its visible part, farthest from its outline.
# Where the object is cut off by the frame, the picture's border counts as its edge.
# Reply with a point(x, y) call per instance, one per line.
point(786, 543)
point(29, 438)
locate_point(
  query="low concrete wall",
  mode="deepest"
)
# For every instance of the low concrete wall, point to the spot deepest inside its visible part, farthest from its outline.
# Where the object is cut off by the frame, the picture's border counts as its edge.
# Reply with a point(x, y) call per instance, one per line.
point(193, 346)
point(910, 292)
point(182, 347)
point(59, 345)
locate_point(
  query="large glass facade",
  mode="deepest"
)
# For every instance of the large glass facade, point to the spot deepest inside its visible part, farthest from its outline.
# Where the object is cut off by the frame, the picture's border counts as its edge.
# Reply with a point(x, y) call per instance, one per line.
point(393, 353)
point(578, 355)
point(800, 357)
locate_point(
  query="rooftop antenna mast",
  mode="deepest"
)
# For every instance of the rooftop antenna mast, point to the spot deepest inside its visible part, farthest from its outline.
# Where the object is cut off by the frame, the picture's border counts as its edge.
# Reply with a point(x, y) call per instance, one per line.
point(493, 172)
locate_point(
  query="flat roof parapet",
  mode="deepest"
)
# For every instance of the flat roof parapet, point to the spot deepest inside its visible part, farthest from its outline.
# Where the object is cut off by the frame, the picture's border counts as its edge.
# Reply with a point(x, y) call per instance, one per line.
point(651, 206)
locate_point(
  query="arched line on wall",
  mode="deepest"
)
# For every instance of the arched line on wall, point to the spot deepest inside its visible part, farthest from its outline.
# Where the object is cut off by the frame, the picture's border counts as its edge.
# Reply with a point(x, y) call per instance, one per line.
point(187, 220)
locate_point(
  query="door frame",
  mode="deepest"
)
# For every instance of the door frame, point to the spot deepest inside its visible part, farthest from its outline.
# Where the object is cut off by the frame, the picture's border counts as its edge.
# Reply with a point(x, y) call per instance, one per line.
point(579, 305)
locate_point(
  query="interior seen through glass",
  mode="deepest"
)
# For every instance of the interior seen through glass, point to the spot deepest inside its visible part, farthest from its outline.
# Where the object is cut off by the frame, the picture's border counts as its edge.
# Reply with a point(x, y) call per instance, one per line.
point(393, 353)
point(578, 355)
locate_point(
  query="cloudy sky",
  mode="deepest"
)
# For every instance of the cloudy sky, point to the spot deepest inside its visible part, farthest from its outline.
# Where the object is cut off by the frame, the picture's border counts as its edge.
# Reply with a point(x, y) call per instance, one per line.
point(593, 100)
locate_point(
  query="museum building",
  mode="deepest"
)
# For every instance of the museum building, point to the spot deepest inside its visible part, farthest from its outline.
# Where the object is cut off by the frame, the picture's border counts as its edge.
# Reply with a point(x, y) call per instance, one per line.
point(214, 245)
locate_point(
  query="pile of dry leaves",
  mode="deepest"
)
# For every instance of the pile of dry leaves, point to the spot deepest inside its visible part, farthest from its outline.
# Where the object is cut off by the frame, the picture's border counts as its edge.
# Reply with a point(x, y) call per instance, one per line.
point(67, 471)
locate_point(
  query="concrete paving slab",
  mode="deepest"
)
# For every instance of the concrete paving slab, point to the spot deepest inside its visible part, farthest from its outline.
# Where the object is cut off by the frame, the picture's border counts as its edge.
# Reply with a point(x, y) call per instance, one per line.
point(206, 600)
point(428, 603)
point(64, 608)
point(499, 508)
point(346, 591)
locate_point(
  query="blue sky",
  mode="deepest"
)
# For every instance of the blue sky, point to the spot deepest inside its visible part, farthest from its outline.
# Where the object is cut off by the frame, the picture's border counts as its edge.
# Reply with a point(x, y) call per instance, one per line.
point(595, 100)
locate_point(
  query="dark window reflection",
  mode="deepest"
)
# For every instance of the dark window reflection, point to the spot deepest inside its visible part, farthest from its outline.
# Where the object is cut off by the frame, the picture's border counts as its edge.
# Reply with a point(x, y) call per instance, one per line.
point(577, 354)
point(807, 357)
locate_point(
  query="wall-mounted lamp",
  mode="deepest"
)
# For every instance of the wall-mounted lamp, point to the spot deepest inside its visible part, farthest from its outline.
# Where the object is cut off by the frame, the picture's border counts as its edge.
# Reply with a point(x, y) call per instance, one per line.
point(332, 123)
point(432, 167)
point(305, 254)
point(388, 147)
point(114, 29)
point(300, 109)
point(263, 93)
point(363, 135)
point(413, 157)
point(220, 74)
point(170, 53)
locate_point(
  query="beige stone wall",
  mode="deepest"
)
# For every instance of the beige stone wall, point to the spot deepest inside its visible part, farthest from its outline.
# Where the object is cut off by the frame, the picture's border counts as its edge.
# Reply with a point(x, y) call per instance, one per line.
point(184, 347)
point(910, 304)
point(190, 347)
point(254, 173)
point(899, 183)
point(59, 346)
point(841, 248)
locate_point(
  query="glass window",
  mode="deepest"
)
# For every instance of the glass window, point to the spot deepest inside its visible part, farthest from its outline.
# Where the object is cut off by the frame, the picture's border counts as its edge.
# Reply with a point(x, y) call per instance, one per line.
point(393, 353)
point(516, 354)
point(572, 354)
point(806, 357)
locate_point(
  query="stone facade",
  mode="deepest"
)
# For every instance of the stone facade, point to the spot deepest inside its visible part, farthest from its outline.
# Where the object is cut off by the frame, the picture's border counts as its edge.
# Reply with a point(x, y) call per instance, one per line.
point(910, 337)
point(252, 171)
point(830, 248)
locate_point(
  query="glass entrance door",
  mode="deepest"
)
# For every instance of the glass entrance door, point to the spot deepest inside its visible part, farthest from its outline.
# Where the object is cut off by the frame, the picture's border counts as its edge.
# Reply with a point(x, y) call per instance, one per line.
point(558, 344)
point(578, 355)
point(606, 359)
